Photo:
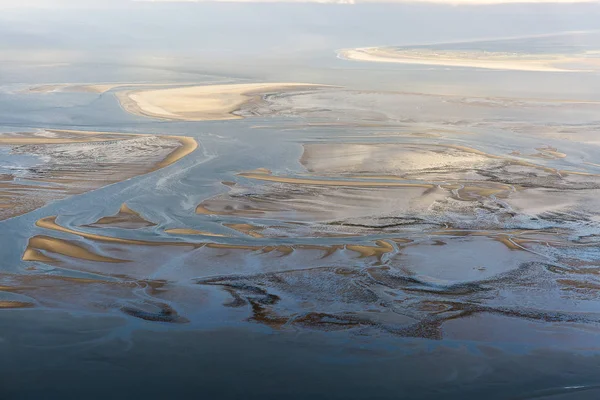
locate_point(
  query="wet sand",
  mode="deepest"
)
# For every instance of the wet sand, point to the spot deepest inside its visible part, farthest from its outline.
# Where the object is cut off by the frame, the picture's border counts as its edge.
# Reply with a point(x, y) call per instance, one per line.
point(351, 243)
point(72, 162)
point(348, 240)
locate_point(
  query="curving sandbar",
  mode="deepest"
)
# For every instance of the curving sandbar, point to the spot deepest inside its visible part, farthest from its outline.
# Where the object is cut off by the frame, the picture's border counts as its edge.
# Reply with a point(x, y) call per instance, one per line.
point(469, 59)
point(201, 103)
point(52, 164)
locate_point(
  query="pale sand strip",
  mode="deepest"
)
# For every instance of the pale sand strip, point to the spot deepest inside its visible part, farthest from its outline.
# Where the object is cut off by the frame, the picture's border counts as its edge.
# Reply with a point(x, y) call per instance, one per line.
point(61, 246)
point(186, 231)
point(51, 224)
point(93, 87)
point(188, 145)
point(200, 103)
point(465, 191)
point(386, 55)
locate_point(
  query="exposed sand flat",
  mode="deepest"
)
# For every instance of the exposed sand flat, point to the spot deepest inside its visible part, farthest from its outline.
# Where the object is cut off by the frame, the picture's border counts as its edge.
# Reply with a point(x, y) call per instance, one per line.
point(306, 202)
point(488, 60)
point(107, 257)
point(126, 218)
point(53, 164)
point(390, 159)
point(63, 247)
point(64, 136)
point(200, 103)
point(188, 144)
point(250, 230)
point(412, 161)
point(50, 224)
point(85, 250)
point(91, 87)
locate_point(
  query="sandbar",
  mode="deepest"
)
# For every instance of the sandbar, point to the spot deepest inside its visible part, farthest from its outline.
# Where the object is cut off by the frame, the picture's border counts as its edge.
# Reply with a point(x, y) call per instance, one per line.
point(90, 87)
point(200, 103)
point(472, 59)
point(188, 231)
point(67, 162)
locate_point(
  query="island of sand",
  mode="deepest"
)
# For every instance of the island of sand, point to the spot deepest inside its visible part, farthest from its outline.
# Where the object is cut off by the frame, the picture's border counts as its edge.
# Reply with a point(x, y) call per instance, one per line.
point(470, 59)
point(49, 165)
point(201, 103)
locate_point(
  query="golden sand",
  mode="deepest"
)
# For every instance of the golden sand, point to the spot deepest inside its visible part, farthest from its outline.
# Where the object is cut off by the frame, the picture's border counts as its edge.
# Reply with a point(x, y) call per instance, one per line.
point(549, 153)
point(247, 229)
point(513, 240)
point(200, 103)
point(64, 247)
point(50, 223)
point(15, 304)
point(41, 248)
point(188, 145)
point(125, 218)
point(382, 247)
point(186, 231)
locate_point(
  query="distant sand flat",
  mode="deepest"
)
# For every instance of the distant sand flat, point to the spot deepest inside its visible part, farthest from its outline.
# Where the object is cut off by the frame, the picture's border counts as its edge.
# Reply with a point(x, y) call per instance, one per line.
point(64, 162)
point(200, 103)
point(91, 87)
point(67, 87)
point(470, 59)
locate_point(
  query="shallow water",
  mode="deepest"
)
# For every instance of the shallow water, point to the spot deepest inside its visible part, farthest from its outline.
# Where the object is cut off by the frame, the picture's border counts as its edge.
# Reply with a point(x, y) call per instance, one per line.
point(412, 232)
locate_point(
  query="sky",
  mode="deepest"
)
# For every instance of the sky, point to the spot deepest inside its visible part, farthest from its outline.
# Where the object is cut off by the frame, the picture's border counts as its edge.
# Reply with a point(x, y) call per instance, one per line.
point(124, 3)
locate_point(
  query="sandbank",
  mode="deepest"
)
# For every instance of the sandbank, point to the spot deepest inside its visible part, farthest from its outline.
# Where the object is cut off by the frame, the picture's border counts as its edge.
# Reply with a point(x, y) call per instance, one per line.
point(91, 87)
point(485, 60)
point(200, 103)
point(66, 162)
